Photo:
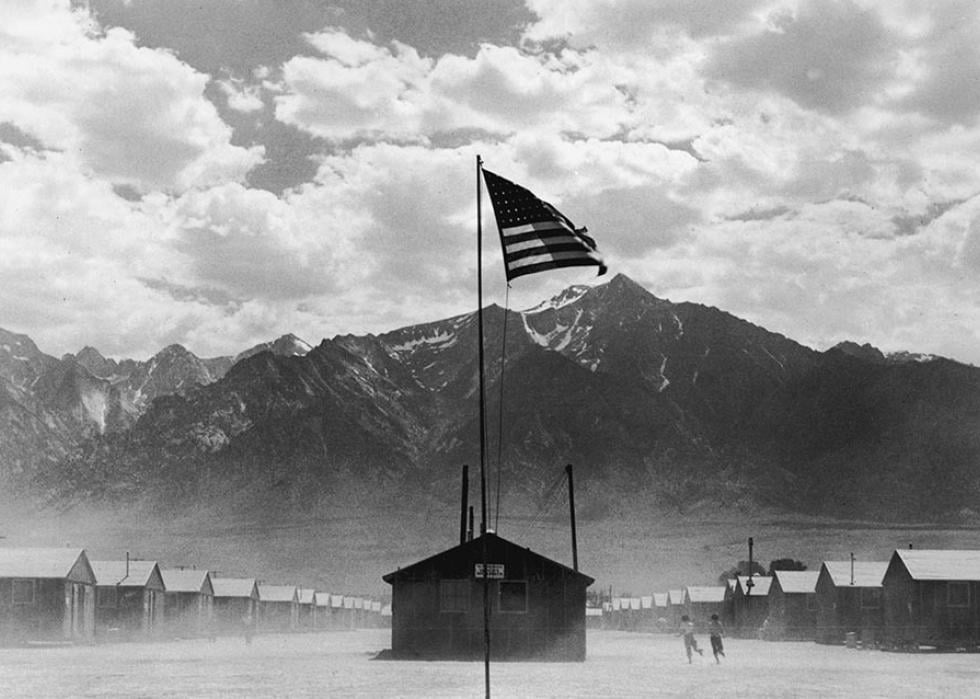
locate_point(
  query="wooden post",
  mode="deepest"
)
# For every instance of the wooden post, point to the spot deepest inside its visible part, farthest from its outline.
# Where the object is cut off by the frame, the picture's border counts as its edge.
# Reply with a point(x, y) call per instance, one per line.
point(571, 507)
point(464, 501)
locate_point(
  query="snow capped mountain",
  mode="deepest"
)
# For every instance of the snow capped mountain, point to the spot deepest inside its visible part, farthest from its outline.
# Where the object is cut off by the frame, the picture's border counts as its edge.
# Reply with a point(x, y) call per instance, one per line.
point(285, 346)
point(675, 403)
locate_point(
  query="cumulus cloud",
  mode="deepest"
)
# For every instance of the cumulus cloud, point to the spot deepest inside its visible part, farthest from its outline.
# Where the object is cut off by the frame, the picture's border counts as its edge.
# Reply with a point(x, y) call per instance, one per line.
point(361, 90)
point(828, 56)
point(131, 115)
point(634, 24)
point(799, 163)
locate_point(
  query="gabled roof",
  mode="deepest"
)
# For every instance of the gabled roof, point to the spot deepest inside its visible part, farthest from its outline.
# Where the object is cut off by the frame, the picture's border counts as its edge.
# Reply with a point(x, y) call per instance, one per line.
point(646, 602)
point(322, 599)
point(660, 599)
point(933, 564)
point(675, 597)
point(235, 587)
point(132, 573)
point(61, 563)
point(337, 601)
point(866, 573)
point(795, 582)
point(760, 585)
point(497, 548)
point(187, 580)
point(306, 595)
point(703, 594)
point(277, 593)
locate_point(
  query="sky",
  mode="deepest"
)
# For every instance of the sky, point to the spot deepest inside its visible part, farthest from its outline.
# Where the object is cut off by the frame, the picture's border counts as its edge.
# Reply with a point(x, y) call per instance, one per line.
point(217, 174)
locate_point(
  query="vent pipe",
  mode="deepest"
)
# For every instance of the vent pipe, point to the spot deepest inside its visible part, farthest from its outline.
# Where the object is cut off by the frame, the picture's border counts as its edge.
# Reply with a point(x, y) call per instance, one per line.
point(464, 502)
point(749, 585)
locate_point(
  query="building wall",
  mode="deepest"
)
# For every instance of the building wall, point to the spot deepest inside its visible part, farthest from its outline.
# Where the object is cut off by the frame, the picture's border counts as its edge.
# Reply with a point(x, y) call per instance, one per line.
point(42, 609)
point(750, 612)
point(551, 627)
point(126, 611)
point(940, 613)
point(187, 613)
point(230, 614)
point(277, 616)
point(700, 613)
point(792, 617)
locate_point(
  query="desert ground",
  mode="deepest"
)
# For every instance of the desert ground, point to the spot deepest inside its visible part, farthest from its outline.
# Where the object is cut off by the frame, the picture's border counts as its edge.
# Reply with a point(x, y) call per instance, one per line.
point(343, 664)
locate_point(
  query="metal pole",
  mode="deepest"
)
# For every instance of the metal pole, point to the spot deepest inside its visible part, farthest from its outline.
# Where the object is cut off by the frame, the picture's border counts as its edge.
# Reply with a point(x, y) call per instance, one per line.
point(571, 507)
point(750, 584)
point(479, 316)
point(483, 431)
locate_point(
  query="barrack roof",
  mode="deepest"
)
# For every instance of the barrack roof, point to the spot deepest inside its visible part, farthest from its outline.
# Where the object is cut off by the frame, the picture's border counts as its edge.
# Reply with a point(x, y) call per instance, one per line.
point(933, 564)
point(186, 580)
point(703, 594)
point(277, 593)
point(866, 573)
point(39, 562)
point(794, 582)
point(132, 573)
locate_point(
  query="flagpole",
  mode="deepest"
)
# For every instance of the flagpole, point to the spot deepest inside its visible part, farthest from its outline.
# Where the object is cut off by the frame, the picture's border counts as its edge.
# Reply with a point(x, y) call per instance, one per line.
point(479, 315)
point(483, 432)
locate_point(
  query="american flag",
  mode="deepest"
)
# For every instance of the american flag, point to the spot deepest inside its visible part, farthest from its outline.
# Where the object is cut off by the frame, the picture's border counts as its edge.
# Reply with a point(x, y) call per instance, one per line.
point(536, 236)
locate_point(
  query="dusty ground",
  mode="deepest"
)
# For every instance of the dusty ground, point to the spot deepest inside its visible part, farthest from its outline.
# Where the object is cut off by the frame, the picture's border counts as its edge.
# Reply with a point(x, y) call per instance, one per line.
point(341, 665)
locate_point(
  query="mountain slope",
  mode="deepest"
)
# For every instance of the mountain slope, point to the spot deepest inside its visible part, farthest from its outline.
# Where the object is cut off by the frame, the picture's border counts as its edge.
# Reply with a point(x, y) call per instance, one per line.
point(659, 405)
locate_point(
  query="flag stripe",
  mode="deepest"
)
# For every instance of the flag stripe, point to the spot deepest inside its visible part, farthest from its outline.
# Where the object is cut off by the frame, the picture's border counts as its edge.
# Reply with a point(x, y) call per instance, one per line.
point(553, 264)
point(538, 240)
point(534, 235)
point(551, 248)
point(530, 229)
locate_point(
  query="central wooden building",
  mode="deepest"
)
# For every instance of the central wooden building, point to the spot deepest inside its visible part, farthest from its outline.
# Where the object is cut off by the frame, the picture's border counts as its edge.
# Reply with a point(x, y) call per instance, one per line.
point(537, 606)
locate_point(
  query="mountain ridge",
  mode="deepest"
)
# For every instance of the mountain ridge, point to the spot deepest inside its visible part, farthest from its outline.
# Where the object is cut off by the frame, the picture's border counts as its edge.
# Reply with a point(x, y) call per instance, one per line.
point(662, 404)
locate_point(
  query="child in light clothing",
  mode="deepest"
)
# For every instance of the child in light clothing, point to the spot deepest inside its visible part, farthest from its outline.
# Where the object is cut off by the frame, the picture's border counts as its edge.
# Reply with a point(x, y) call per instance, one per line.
point(690, 643)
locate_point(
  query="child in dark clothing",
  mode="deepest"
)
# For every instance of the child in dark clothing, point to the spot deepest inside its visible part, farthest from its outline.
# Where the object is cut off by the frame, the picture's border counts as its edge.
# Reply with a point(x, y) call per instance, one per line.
point(715, 632)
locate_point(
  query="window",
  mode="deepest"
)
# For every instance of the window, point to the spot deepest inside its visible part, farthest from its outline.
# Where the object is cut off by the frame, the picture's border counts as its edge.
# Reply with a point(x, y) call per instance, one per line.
point(454, 595)
point(513, 596)
point(22, 592)
point(870, 597)
point(958, 594)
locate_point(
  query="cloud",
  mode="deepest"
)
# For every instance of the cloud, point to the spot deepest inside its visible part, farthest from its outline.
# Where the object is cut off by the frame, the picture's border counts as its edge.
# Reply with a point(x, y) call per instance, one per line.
point(132, 115)
point(633, 24)
point(360, 90)
point(946, 58)
point(828, 56)
point(241, 97)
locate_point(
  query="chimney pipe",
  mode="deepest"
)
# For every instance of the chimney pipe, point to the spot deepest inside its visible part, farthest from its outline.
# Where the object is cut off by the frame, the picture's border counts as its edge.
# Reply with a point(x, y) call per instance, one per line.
point(749, 585)
point(852, 567)
point(470, 534)
point(464, 503)
point(571, 507)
